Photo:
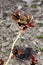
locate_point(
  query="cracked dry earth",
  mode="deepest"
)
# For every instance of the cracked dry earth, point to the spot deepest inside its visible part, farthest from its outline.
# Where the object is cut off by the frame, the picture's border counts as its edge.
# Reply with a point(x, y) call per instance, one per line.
point(9, 30)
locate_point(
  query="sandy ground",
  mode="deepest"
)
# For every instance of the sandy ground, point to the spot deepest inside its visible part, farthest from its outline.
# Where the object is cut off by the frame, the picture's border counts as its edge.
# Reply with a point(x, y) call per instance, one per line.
point(9, 30)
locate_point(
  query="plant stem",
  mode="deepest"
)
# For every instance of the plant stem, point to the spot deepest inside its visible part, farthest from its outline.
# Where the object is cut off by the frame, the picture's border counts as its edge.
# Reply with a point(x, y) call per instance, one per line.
point(13, 47)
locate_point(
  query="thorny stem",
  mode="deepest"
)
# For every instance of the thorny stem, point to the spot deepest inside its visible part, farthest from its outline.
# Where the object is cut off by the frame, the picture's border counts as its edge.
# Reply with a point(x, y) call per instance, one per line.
point(20, 32)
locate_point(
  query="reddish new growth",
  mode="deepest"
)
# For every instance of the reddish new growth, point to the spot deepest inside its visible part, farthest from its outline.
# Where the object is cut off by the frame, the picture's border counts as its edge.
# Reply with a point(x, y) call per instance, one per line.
point(24, 21)
point(16, 52)
point(1, 62)
point(33, 60)
point(23, 53)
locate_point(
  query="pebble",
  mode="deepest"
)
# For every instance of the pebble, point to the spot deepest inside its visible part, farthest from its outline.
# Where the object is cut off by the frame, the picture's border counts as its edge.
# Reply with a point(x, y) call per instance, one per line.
point(39, 53)
point(13, 27)
point(39, 3)
point(28, 1)
point(19, 7)
point(1, 21)
point(26, 45)
point(8, 38)
point(8, 18)
point(5, 44)
point(23, 37)
point(41, 57)
point(41, 29)
point(37, 21)
point(3, 49)
point(34, 10)
point(34, 42)
point(38, 42)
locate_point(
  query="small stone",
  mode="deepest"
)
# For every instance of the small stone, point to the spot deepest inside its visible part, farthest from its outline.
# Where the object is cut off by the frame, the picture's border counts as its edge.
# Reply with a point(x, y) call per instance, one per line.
point(41, 57)
point(37, 15)
point(34, 10)
point(26, 45)
point(39, 53)
point(41, 29)
point(13, 27)
point(5, 44)
point(1, 21)
point(37, 21)
point(8, 19)
point(34, 42)
point(41, 43)
point(3, 49)
point(8, 38)
point(39, 3)
point(23, 38)
point(19, 7)
point(28, 1)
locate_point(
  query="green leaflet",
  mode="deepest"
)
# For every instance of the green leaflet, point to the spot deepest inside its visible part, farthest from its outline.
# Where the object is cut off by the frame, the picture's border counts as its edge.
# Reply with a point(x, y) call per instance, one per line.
point(40, 37)
point(41, 49)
